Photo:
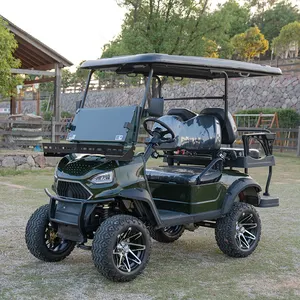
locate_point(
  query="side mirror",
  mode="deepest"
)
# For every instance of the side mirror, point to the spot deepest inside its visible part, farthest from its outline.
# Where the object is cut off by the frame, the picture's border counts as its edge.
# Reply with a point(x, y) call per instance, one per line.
point(156, 108)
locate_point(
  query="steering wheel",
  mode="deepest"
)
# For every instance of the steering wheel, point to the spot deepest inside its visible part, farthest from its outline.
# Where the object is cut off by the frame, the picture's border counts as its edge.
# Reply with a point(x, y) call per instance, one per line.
point(157, 132)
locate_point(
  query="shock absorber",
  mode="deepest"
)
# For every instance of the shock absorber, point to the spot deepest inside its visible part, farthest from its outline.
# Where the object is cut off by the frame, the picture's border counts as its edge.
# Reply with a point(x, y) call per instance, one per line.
point(105, 212)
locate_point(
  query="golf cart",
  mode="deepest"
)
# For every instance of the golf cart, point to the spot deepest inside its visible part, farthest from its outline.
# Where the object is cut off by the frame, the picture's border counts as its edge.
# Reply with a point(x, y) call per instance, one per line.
point(104, 191)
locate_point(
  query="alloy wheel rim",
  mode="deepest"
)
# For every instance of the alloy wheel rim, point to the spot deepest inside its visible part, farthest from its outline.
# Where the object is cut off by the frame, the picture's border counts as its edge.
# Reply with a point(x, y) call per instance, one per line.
point(53, 242)
point(130, 250)
point(246, 231)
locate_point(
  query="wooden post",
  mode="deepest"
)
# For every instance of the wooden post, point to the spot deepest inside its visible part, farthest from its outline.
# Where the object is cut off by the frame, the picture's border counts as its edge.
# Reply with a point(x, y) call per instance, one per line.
point(19, 103)
point(53, 130)
point(57, 92)
point(38, 103)
point(298, 148)
point(12, 105)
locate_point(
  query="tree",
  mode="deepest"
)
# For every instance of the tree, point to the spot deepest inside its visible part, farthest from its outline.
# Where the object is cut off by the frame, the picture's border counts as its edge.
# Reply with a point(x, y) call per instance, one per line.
point(272, 20)
point(249, 44)
point(66, 79)
point(224, 23)
point(261, 6)
point(288, 38)
point(8, 45)
point(79, 77)
point(162, 26)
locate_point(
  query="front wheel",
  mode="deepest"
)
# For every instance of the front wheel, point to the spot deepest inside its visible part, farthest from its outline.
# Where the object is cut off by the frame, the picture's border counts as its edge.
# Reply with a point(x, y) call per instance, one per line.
point(121, 248)
point(238, 233)
point(42, 240)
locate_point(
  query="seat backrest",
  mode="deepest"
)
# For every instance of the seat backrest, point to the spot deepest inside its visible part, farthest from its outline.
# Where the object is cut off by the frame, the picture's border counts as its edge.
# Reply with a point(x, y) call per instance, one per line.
point(199, 134)
point(229, 130)
point(183, 113)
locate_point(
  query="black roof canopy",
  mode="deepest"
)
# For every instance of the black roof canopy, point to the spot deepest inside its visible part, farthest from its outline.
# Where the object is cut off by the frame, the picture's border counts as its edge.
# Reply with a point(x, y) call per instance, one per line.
point(180, 66)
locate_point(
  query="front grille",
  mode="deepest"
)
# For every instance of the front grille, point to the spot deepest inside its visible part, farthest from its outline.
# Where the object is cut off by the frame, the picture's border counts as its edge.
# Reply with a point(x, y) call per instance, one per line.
point(72, 189)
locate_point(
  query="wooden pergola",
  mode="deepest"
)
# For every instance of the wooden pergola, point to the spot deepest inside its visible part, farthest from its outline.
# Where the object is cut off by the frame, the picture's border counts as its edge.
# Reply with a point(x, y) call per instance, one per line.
point(37, 59)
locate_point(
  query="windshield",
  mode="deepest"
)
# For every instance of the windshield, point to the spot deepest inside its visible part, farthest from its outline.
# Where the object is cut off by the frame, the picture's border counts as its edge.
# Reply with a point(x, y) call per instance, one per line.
point(104, 125)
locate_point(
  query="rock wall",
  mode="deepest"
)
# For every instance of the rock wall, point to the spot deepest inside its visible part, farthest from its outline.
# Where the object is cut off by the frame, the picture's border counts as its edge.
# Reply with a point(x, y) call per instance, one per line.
point(244, 93)
point(27, 161)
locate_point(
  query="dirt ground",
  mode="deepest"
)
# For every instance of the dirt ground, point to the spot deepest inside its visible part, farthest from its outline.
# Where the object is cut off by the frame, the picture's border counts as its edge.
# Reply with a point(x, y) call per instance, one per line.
point(191, 268)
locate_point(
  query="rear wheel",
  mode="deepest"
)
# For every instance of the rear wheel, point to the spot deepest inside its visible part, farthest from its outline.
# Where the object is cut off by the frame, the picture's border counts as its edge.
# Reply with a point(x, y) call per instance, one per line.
point(167, 234)
point(42, 240)
point(238, 233)
point(121, 248)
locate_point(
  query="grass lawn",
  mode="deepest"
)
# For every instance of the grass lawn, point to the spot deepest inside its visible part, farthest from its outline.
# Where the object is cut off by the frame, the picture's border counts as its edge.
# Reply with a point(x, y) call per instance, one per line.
point(191, 268)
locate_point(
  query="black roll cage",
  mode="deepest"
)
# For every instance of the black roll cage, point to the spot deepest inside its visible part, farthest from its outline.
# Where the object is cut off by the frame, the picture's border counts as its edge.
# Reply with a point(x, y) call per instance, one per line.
point(147, 90)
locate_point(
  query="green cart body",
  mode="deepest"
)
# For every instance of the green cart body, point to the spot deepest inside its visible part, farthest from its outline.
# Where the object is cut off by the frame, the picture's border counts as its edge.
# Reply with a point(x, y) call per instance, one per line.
point(104, 191)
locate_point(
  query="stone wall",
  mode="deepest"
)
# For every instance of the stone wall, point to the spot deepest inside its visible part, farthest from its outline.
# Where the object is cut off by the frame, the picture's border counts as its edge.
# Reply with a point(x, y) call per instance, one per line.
point(244, 93)
point(27, 161)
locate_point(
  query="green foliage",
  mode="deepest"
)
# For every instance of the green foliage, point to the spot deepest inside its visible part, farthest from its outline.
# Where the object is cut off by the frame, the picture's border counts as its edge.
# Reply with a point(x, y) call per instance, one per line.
point(272, 20)
point(47, 115)
point(47, 87)
point(44, 105)
point(66, 114)
point(289, 37)
point(224, 23)
point(8, 45)
point(66, 79)
point(249, 44)
point(163, 26)
point(287, 117)
point(79, 77)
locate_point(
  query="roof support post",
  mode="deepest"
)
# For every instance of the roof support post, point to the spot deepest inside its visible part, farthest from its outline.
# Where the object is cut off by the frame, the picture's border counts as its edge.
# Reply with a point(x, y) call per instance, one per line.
point(57, 96)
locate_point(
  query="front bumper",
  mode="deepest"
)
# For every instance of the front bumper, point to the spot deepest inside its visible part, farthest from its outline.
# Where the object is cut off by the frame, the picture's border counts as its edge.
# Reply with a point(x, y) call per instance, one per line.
point(72, 215)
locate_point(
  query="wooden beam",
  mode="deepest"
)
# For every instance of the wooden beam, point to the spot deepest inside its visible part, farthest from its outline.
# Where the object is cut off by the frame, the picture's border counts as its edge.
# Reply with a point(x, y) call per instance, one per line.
point(22, 53)
point(29, 48)
point(45, 67)
point(25, 59)
point(41, 80)
point(39, 46)
point(32, 72)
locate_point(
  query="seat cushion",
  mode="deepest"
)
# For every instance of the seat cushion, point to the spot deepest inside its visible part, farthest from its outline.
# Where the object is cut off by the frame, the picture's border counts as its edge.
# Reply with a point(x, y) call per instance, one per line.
point(182, 175)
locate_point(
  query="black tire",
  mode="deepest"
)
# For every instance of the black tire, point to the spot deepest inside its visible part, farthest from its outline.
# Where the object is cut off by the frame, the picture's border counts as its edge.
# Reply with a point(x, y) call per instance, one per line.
point(238, 233)
point(112, 240)
point(42, 240)
point(167, 234)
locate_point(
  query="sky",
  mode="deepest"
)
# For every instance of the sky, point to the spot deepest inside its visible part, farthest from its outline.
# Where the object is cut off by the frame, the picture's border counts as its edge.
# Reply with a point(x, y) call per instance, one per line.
point(75, 29)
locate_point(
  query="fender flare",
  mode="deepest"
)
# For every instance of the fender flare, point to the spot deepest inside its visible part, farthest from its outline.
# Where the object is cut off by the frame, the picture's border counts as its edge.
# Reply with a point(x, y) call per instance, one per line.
point(139, 194)
point(233, 191)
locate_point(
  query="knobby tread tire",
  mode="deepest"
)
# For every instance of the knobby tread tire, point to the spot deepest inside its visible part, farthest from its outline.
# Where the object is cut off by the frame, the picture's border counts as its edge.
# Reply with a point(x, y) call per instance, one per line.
point(104, 242)
point(35, 237)
point(161, 237)
point(226, 230)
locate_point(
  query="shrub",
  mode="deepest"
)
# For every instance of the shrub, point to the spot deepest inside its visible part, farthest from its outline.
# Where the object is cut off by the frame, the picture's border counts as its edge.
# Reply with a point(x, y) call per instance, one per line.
point(47, 115)
point(66, 114)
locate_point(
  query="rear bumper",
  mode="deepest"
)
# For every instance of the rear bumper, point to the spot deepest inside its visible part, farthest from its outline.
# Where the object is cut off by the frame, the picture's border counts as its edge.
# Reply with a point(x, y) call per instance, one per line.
point(269, 201)
point(72, 215)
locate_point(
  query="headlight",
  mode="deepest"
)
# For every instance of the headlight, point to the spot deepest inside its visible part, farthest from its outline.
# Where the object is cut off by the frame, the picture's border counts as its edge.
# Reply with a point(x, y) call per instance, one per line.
point(55, 171)
point(106, 177)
